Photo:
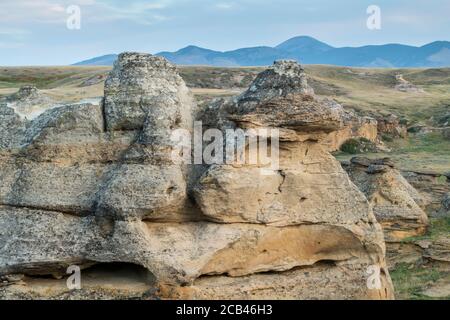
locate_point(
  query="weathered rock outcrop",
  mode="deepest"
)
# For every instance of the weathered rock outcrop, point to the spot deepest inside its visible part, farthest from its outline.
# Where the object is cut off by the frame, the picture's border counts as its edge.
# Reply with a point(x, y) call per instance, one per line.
point(149, 96)
point(96, 185)
point(29, 102)
point(309, 187)
point(354, 127)
point(434, 187)
point(396, 204)
point(401, 210)
point(391, 125)
point(12, 127)
point(15, 112)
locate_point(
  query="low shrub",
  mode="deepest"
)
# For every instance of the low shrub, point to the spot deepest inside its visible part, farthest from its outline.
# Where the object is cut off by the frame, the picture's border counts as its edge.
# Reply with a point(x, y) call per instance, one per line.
point(358, 145)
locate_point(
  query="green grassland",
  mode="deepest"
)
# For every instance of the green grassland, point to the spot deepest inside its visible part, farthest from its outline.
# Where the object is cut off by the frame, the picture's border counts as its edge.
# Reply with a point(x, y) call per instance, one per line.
point(411, 281)
point(372, 91)
point(425, 152)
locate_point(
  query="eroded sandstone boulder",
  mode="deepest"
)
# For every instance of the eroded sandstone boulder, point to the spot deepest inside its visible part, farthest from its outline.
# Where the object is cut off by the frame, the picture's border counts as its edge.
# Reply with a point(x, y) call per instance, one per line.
point(396, 204)
point(342, 282)
point(434, 187)
point(146, 94)
point(139, 86)
point(308, 187)
point(293, 194)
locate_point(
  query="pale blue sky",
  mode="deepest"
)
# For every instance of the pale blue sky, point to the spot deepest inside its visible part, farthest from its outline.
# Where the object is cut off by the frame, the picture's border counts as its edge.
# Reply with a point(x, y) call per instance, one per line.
point(34, 32)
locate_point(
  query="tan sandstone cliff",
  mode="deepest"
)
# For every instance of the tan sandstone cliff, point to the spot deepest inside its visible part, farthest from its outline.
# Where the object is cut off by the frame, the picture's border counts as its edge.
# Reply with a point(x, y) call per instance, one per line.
point(96, 187)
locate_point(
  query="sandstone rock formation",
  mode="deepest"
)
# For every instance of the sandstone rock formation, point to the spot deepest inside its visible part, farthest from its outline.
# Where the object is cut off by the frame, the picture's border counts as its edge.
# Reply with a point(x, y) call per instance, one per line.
point(354, 127)
point(29, 102)
point(96, 187)
point(392, 126)
point(434, 187)
point(11, 127)
point(396, 204)
point(15, 112)
point(309, 186)
point(401, 210)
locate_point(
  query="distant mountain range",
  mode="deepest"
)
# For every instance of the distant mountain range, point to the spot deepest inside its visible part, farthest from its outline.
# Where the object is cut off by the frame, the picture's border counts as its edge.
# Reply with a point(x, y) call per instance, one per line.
point(309, 51)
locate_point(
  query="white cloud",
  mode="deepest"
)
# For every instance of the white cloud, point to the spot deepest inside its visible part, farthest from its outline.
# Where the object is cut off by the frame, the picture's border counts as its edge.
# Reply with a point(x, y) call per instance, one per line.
point(404, 18)
point(22, 11)
point(13, 32)
point(224, 6)
point(54, 11)
point(11, 45)
point(138, 12)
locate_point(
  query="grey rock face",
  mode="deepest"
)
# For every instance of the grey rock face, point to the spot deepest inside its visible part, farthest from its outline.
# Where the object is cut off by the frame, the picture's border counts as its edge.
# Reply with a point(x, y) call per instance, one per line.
point(138, 85)
point(63, 123)
point(49, 186)
point(280, 97)
point(42, 242)
point(29, 102)
point(137, 191)
point(283, 78)
point(12, 127)
point(294, 112)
